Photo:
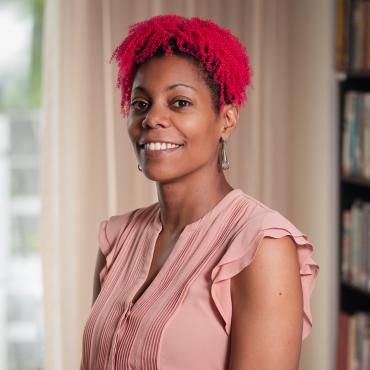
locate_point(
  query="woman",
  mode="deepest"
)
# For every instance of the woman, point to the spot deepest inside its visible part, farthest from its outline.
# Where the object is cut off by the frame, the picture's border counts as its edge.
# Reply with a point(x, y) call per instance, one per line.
point(208, 277)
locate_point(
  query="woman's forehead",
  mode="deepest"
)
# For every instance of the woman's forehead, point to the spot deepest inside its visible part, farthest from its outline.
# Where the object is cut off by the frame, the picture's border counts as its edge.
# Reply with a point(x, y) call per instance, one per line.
point(168, 71)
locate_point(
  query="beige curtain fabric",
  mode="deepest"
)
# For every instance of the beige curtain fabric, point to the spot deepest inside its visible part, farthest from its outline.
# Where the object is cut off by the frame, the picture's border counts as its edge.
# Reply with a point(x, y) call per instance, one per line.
point(75, 186)
point(89, 169)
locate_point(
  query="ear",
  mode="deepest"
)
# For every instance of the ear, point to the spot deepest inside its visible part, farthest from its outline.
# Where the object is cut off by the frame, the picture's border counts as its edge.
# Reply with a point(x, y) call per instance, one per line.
point(229, 119)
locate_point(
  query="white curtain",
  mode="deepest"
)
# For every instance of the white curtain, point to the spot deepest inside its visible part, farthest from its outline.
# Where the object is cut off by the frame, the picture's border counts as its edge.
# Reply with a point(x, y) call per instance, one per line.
point(89, 169)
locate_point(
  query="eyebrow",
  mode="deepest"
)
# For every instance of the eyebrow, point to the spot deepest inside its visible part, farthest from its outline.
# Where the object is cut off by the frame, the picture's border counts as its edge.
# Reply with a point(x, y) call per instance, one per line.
point(142, 88)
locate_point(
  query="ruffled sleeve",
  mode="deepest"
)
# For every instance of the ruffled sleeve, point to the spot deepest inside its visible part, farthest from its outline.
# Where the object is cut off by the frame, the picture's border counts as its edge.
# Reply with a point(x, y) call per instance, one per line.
point(241, 253)
point(108, 233)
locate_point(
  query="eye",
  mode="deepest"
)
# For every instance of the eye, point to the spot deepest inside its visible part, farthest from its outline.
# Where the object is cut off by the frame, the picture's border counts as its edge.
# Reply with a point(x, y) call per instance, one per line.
point(140, 105)
point(181, 103)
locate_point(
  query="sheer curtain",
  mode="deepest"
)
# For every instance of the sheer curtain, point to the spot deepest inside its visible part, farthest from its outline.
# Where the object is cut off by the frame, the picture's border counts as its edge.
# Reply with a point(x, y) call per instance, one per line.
point(89, 170)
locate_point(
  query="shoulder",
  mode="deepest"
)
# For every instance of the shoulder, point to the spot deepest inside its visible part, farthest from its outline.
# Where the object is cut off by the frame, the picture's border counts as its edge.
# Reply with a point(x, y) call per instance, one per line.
point(136, 213)
point(249, 204)
point(274, 240)
point(267, 301)
point(277, 249)
point(115, 224)
point(272, 273)
point(116, 228)
point(249, 214)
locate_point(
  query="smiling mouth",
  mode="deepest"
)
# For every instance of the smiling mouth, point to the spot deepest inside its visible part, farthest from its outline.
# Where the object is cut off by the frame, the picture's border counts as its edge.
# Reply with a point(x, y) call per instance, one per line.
point(159, 147)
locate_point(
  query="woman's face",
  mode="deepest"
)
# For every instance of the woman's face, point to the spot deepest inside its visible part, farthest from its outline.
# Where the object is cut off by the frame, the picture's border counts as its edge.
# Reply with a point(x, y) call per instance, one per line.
point(171, 103)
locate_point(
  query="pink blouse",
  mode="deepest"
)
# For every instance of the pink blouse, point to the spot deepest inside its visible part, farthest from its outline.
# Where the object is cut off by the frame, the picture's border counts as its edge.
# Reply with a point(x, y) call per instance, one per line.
point(182, 320)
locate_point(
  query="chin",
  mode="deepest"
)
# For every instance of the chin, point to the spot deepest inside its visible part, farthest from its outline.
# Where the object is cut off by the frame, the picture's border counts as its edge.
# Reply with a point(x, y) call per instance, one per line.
point(159, 175)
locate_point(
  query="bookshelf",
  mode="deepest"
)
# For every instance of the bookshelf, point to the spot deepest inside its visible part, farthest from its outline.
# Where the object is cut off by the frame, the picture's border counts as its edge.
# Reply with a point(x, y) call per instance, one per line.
point(353, 78)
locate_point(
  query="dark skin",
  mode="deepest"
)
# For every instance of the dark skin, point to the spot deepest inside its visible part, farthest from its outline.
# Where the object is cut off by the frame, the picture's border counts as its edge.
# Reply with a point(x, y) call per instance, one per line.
point(164, 109)
point(176, 106)
point(267, 294)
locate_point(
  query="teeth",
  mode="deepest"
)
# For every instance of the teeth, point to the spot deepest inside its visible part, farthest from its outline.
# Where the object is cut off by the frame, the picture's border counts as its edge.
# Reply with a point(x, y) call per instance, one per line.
point(160, 146)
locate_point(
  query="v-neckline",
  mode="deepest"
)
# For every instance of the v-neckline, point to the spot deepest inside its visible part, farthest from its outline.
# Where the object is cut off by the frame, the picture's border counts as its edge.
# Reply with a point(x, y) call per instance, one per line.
point(156, 228)
point(147, 265)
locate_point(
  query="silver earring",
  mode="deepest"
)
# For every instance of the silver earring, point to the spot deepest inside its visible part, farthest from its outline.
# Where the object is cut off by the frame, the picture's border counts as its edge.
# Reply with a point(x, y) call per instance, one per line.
point(139, 168)
point(225, 164)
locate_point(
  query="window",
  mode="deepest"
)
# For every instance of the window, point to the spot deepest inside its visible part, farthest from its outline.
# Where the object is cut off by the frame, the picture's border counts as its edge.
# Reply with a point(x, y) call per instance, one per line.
point(21, 318)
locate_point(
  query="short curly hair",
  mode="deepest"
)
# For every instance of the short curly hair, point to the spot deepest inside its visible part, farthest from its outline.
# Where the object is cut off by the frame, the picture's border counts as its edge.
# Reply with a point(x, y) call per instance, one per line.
point(221, 55)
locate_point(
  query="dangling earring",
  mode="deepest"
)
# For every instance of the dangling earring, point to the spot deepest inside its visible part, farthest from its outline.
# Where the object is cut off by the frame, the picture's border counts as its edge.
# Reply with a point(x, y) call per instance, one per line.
point(139, 168)
point(225, 164)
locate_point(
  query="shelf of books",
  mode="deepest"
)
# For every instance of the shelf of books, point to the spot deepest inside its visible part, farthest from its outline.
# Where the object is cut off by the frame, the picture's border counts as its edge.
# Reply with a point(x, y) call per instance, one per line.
point(353, 67)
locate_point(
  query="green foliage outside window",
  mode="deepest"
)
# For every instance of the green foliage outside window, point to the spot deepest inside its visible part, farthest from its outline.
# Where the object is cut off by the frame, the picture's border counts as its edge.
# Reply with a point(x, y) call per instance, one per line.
point(21, 90)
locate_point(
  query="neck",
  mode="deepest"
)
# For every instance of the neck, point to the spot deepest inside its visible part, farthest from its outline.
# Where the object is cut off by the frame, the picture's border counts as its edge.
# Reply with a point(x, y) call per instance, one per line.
point(184, 202)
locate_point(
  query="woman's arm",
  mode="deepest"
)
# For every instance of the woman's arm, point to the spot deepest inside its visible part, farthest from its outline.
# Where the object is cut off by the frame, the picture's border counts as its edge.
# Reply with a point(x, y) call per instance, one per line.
point(100, 263)
point(267, 316)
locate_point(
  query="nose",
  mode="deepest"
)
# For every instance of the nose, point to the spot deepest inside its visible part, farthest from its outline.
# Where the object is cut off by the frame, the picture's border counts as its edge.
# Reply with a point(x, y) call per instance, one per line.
point(156, 116)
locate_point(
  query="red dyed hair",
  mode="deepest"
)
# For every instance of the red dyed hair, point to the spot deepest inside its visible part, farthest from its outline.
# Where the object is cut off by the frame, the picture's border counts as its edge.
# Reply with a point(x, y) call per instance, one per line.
point(220, 53)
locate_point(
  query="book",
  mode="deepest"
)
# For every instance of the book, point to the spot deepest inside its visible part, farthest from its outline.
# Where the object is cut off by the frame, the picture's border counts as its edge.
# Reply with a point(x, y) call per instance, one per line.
point(346, 245)
point(347, 124)
point(352, 35)
point(342, 341)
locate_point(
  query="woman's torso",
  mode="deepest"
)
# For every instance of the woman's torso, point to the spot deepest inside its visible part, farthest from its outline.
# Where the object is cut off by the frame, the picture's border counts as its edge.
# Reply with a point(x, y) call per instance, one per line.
point(182, 319)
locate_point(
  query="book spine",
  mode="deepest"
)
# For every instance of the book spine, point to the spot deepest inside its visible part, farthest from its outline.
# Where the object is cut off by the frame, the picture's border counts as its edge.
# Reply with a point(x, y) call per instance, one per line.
point(340, 36)
point(355, 35)
point(351, 360)
point(367, 245)
point(361, 135)
point(346, 138)
point(345, 244)
point(367, 344)
point(365, 37)
point(352, 135)
point(360, 316)
point(362, 247)
point(368, 39)
point(368, 249)
point(347, 34)
point(342, 341)
point(366, 119)
point(356, 135)
point(356, 243)
point(352, 257)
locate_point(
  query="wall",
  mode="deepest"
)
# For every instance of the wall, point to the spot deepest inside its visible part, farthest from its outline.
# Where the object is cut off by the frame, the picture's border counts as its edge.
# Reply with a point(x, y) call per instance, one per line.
point(314, 161)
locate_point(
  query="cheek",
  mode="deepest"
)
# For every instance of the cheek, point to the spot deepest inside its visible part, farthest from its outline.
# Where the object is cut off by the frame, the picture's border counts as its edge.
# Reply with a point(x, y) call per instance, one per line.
point(203, 138)
point(133, 129)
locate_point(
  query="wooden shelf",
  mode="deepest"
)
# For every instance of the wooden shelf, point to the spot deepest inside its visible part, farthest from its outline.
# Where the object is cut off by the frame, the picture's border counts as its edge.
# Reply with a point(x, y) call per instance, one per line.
point(353, 298)
point(352, 75)
point(356, 289)
point(356, 180)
